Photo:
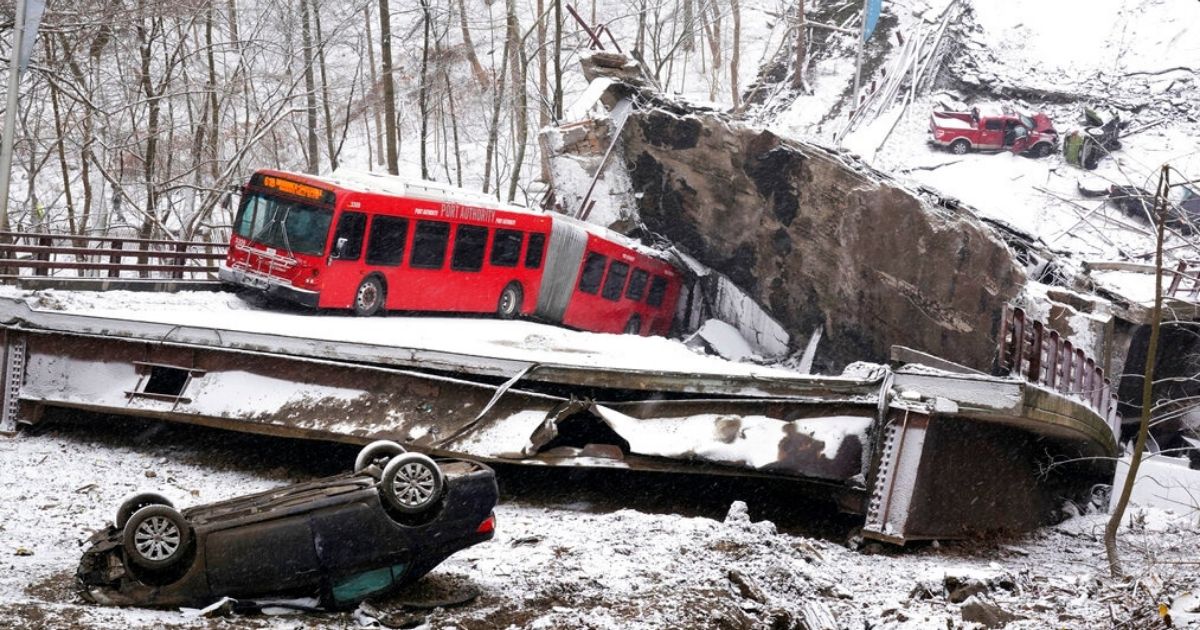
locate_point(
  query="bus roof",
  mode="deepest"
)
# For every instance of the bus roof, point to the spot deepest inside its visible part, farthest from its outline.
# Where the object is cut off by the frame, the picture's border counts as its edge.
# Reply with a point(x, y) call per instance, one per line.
point(382, 183)
point(366, 181)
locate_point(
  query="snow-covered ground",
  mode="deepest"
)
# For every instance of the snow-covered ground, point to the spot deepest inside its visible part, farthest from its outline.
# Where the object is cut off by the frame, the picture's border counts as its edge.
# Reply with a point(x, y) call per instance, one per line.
point(1135, 57)
point(571, 556)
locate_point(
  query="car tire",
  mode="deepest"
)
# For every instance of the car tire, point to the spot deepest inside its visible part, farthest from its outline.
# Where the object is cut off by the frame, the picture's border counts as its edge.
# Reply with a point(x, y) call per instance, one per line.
point(1042, 149)
point(156, 537)
point(960, 147)
point(135, 502)
point(411, 483)
point(509, 304)
point(368, 299)
point(379, 449)
point(634, 326)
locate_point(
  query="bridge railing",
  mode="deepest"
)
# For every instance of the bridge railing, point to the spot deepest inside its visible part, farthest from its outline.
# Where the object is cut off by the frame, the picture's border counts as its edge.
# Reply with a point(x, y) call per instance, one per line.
point(105, 256)
point(1185, 270)
point(1033, 351)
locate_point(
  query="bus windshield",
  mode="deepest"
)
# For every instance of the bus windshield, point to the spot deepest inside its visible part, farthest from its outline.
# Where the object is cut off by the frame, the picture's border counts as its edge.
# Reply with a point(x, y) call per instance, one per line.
point(289, 225)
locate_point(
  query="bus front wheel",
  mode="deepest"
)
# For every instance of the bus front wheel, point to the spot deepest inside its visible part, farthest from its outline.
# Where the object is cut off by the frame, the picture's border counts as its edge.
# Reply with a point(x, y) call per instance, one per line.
point(368, 300)
point(509, 305)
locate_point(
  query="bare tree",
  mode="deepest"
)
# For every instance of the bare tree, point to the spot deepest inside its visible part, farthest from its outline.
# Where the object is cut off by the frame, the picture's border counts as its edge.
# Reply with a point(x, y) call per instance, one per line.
point(801, 45)
point(481, 75)
point(1139, 447)
point(423, 88)
point(389, 86)
point(735, 52)
point(310, 90)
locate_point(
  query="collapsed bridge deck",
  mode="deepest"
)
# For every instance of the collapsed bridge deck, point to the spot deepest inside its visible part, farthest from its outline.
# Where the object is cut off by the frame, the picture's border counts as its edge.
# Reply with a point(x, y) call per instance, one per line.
point(921, 453)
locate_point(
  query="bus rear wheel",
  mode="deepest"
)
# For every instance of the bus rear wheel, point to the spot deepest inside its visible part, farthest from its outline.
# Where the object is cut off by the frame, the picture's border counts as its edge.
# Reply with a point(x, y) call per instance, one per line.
point(509, 305)
point(368, 299)
point(634, 326)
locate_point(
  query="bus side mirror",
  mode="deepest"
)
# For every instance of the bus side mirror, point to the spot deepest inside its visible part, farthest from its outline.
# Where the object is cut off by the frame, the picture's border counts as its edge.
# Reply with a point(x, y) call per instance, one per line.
point(339, 245)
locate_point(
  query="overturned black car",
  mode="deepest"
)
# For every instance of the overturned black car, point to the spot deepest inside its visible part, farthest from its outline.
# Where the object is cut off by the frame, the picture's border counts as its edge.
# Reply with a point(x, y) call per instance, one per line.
point(340, 539)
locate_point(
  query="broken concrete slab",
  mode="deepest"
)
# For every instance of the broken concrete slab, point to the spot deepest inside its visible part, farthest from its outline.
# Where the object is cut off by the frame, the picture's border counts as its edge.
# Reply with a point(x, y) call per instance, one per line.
point(818, 239)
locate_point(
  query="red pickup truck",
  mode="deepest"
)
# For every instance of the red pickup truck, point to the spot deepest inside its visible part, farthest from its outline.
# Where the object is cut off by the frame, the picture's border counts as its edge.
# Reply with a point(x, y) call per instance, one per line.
point(993, 129)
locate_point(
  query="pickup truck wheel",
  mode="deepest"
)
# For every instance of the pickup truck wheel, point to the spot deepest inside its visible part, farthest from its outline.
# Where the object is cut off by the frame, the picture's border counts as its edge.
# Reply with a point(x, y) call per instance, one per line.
point(960, 146)
point(135, 502)
point(411, 483)
point(156, 537)
point(375, 451)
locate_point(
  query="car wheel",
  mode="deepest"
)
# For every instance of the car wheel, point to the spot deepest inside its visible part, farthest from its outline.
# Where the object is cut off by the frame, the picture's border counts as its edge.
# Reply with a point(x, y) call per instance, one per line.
point(959, 147)
point(509, 304)
point(411, 483)
point(156, 537)
point(135, 502)
point(368, 299)
point(634, 327)
point(371, 453)
point(1041, 150)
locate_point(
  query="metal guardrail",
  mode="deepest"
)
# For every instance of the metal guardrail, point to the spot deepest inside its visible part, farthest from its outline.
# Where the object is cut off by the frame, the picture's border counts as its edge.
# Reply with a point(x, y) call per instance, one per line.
point(45, 254)
point(1032, 350)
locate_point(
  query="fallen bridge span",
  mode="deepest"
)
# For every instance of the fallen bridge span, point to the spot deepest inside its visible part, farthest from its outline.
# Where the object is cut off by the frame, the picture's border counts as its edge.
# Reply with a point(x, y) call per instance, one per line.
point(919, 452)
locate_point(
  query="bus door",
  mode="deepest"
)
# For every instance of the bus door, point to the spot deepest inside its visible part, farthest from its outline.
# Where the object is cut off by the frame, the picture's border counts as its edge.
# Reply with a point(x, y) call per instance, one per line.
point(473, 293)
point(344, 271)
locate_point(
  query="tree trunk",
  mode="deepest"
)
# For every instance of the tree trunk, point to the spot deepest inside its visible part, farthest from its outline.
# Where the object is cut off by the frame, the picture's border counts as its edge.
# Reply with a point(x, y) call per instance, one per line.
point(734, 53)
point(330, 145)
point(481, 75)
point(310, 88)
point(801, 46)
point(558, 89)
point(689, 25)
point(423, 88)
point(494, 131)
point(543, 60)
point(389, 86)
point(369, 94)
point(454, 130)
point(1139, 447)
point(520, 94)
point(59, 133)
point(714, 47)
point(211, 87)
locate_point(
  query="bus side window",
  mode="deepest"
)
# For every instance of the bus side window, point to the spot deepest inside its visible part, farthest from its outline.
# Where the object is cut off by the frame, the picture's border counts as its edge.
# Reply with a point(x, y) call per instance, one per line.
point(350, 235)
point(637, 285)
point(533, 256)
point(506, 248)
point(658, 290)
point(614, 283)
point(469, 244)
point(385, 245)
point(593, 271)
point(429, 245)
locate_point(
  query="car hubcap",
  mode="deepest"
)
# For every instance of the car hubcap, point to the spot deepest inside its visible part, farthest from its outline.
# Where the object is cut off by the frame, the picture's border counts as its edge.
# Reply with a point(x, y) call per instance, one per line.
point(413, 485)
point(157, 538)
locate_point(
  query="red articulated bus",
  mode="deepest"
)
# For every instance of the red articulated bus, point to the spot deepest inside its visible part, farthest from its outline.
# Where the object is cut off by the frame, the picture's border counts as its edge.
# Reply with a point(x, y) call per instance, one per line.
point(369, 242)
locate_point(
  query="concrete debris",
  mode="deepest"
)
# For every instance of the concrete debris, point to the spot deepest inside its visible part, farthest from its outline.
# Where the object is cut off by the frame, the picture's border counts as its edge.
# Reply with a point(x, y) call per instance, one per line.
point(976, 610)
point(800, 229)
